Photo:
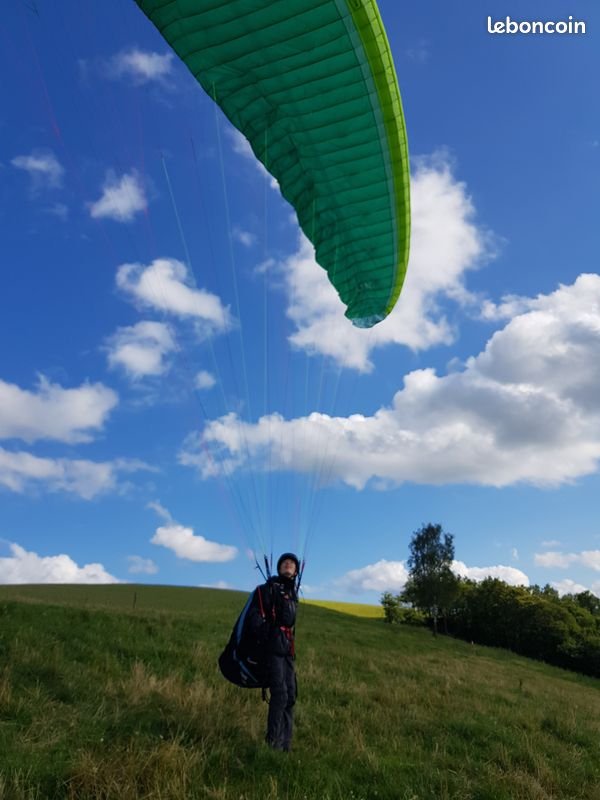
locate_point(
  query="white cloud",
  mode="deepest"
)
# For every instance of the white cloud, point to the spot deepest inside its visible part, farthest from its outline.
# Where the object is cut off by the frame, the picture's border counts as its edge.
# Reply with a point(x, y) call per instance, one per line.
point(140, 66)
point(165, 285)
point(524, 410)
point(551, 543)
point(244, 237)
point(554, 558)
point(510, 575)
point(185, 544)
point(510, 307)
point(43, 168)
point(567, 586)
point(122, 198)
point(590, 559)
point(392, 576)
point(380, 577)
point(239, 143)
point(204, 380)
point(141, 566)
point(242, 147)
point(51, 412)
point(141, 349)
point(269, 265)
point(28, 567)
point(159, 509)
point(21, 471)
point(515, 554)
point(446, 243)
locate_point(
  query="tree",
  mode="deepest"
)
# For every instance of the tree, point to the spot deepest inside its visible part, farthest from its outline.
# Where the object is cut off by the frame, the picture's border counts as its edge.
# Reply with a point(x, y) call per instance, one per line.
point(391, 607)
point(432, 586)
point(589, 601)
point(546, 592)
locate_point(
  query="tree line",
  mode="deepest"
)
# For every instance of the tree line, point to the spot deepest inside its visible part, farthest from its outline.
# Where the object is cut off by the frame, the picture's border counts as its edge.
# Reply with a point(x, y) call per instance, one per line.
point(533, 621)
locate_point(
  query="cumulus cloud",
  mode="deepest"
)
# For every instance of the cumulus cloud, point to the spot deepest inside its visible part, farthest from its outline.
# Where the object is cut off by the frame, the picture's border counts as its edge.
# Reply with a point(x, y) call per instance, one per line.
point(44, 169)
point(380, 577)
point(140, 66)
point(567, 586)
point(141, 349)
point(242, 147)
point(204, 380)
point(165, 285)
point(391, 576)
point(122, 198)
point(509, 307)
point(21, 471)
point(555, 558)
point(510, 575)
point(141, 566)
point(523, 410)
point(23, 566)
point(186, 544)
point(52, 412)
point(446, 243)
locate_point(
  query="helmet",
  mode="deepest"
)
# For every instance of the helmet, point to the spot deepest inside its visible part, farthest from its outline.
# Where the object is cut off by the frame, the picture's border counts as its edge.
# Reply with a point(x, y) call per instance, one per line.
point(292, 556)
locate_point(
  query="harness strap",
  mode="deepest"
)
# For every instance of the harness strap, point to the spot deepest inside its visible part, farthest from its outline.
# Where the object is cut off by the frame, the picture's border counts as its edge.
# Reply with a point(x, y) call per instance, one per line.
point(289, 635)
point(262, 608)
point(260, 602)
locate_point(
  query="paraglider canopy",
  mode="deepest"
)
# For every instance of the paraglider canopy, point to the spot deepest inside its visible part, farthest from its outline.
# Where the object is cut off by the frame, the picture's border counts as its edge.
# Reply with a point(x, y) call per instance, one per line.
point(311, 84)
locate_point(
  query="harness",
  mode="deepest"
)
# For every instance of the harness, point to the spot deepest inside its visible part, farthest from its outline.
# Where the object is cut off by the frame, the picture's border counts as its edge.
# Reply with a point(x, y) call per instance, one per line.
point(287, 629)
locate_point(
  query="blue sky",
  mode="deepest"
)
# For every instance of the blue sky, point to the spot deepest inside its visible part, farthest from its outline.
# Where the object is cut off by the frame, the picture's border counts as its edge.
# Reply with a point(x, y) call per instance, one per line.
point(178, 383)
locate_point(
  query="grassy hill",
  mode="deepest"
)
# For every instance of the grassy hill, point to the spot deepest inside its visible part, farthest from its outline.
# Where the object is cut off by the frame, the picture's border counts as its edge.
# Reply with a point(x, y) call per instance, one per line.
point(354, 609)
point(101, 699)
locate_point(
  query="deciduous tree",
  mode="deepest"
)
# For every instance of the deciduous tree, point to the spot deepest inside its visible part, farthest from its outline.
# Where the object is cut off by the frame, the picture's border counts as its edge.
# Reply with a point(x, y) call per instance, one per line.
point(432, 586)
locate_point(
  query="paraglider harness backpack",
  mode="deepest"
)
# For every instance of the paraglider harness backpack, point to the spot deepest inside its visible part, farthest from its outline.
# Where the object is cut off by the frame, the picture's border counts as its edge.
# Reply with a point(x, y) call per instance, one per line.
point(243, 660)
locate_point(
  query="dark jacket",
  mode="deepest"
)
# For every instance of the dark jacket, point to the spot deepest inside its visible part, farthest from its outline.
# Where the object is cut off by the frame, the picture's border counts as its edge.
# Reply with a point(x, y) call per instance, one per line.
point(272, 615)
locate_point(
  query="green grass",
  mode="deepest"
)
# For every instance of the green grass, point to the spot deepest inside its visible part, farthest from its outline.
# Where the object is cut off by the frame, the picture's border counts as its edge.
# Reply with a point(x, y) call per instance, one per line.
point(100, 700)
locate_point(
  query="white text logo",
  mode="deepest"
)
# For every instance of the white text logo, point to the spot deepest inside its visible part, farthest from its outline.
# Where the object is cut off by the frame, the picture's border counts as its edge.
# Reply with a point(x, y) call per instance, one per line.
point(509, 25)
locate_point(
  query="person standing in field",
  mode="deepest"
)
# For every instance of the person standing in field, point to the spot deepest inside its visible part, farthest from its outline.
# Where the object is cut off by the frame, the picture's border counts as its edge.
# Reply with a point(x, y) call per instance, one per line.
point(272, 619)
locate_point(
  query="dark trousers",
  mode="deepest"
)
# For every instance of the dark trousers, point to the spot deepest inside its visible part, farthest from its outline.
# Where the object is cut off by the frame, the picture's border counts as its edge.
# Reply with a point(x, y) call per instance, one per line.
point(282, 683)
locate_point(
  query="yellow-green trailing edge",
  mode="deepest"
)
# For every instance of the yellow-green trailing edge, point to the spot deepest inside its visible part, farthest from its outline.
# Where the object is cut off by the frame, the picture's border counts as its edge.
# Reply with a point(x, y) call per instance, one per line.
point(311, 84)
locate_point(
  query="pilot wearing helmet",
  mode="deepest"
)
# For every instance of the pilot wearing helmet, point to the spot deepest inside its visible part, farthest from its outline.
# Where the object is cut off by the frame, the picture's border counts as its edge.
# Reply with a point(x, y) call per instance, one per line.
point(272, 619)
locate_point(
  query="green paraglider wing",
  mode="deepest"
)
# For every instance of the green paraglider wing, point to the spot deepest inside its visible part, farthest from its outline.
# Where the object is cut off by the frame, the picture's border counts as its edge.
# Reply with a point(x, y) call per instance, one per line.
point(311, 84)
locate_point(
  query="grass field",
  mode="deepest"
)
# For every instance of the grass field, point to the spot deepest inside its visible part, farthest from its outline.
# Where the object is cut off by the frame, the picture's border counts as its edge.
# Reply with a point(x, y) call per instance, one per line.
point(99, 699)
point(354, 609)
